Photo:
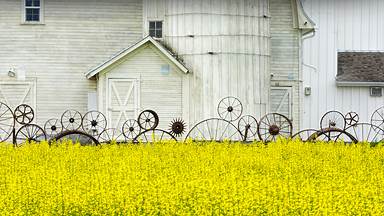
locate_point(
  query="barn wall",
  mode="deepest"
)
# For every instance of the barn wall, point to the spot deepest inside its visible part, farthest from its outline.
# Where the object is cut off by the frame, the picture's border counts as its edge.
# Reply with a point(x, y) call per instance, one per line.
point(77, 35)
point(341, 25)
point(285, 46)
point(159, 92)
point(225, 44)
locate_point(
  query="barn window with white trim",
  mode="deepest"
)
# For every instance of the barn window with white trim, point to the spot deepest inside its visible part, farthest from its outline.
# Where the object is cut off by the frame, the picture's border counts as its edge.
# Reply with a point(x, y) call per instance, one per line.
point(156, 29)
point(32, 10)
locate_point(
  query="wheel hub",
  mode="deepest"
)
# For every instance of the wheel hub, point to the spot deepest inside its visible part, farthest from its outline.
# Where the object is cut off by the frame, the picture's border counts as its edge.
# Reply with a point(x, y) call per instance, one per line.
point(131, 129)
point(53, 127)
point(71, 120)
point(94, 123)
point(230, 109)
point(274, 130)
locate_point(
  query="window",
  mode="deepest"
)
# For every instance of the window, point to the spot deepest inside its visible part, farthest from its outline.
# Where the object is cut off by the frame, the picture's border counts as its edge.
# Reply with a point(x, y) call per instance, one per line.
point(360, 67)
point(32, 10)
point(156, 29)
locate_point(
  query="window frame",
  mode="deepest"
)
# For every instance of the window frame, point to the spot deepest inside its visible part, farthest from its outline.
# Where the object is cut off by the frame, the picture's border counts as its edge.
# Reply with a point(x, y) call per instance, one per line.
point(24, 15)
point(162, 28)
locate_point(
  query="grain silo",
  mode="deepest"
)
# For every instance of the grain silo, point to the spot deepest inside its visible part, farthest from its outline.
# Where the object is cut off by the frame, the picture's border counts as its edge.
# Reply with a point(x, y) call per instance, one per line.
point(226, 46)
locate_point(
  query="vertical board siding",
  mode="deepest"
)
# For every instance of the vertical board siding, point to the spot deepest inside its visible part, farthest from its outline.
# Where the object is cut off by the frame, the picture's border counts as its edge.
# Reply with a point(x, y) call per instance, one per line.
point(77, 35)
point(342, 25)
point(237, 35)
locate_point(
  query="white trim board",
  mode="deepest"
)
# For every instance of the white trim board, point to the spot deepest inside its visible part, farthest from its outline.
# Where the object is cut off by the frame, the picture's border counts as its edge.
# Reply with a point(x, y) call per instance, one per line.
point(134, 47)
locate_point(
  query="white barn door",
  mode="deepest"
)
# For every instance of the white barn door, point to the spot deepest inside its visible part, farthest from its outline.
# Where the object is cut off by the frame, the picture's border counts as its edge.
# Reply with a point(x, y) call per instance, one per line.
point(123, 101)
point(281, 101)
point(14, 93)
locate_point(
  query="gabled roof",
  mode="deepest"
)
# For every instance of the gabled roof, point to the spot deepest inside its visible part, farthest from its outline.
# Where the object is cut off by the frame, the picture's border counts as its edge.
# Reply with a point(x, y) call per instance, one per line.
point(132, 48)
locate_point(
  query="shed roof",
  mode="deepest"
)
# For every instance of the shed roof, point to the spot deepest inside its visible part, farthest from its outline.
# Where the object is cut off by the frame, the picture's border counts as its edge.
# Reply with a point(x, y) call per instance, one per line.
point(360, 67)
point(132, 48)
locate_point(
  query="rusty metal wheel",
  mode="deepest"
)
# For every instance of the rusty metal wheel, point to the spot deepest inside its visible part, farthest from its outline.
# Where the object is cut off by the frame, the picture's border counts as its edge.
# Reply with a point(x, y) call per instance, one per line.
point(153, 136)
point(53, 127)
point(351, 118)
point(230, 109)
point(29, 133)
point(333, 135)
point(377, 118)
point(274, 125)
point(247, 126)
point(94, 123)
point(304, 135)
point(75, 136)
point(71, 120)
point(131, 129)
point(7, 122)
point(148, 120)
point(365, 132)
point(333, 119)
point(111, 135)
point(214, 129)
point(24, 114)
point(177, 127)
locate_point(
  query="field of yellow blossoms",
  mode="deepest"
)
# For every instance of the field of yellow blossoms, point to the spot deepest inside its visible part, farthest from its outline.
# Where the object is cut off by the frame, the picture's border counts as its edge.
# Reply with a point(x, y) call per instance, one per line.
point(283, 178)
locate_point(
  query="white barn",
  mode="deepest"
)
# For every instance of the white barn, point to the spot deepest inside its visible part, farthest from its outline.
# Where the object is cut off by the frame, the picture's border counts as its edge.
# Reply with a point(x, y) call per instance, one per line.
point(344, 29)
point(96, 55)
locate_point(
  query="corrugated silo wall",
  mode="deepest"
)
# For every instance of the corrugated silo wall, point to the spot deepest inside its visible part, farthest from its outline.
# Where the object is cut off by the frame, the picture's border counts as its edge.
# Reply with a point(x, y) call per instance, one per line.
point(225, 44)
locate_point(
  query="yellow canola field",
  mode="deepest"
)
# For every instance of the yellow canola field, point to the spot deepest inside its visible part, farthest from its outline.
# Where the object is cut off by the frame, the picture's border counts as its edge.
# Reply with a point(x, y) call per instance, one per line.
point(282, 178)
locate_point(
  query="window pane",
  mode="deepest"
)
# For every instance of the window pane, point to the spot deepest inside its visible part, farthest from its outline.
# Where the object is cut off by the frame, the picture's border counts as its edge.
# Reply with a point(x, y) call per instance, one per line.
point(32, 14)
point(159, 34)
point(36, 3)
point(28, 3)
point(152, 33)
point(159, 25)
point(152, 25)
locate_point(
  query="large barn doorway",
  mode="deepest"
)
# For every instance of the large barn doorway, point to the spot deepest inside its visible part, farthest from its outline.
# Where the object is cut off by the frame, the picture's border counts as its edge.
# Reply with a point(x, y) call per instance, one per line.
point(281, 101)
point(14, 93)
point(123, 101)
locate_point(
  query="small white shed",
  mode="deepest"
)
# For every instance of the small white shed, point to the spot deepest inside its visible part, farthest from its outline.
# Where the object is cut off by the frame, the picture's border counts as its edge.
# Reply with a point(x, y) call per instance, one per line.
point(143, 76)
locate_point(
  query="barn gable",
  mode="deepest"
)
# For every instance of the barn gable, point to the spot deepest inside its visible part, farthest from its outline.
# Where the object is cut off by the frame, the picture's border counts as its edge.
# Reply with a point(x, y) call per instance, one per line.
point(133, 48)
point(142, 77)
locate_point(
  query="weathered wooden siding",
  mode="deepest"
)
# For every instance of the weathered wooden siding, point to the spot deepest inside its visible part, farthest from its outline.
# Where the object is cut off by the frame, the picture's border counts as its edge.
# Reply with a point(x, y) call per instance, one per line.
point(355, 25)
point(159, 92)
point(285, 49)
point(77, 35)
point(225, 44)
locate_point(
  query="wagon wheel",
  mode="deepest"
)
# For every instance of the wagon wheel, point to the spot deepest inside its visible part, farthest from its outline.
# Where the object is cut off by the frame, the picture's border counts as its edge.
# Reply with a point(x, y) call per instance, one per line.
point(332, 119)
point(247, 126)
point(131, 129)
point(75, 136)
point(7, 122)
point(110, 135)
point(94, 123)
point(71, 120)
point(29, 133)
point(351, 118)
point(24, 114)
point(377, 118)
point(365, 132)
point(274, 125)
point(148, 120)
point(53, 127)
point(153, 136)
point(333, 135)
point(304, 135)
point(177, 127)
point(230, 109)
point(214, 129)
